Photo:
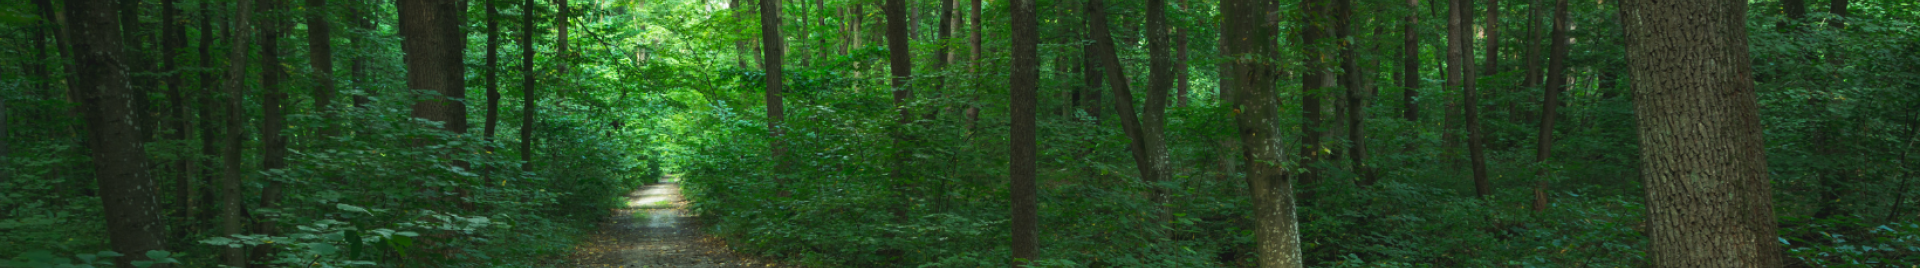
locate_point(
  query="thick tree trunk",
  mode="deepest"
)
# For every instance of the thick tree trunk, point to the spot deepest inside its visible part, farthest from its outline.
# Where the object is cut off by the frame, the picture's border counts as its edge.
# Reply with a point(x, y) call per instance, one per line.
point(900, 63)
point(1249, 33)
point(1153, 123)
point(1550, 100)
point(1709, 201)
point(1147, 159)
point(132, 32)
point(1024, 97)
point(432, 42)
point(127, 193)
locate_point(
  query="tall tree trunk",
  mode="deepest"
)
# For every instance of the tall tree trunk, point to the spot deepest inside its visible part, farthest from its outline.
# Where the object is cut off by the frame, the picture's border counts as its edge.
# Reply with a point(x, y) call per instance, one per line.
point(361, 24)
point(900, 63)
point(134, 223)
point(1449, 139)
point(527, 85)
point(132, 32)
point(210, 122)
point(1492, 32)
point(1532, 54)
point(1024, 96)
point(1249, 34)
point(273, 151)
point(1151, 130)
point(973, 37)
point(1550, 100)
point(230, 152)
point(1356, 80)
point(942, 54)
point(1410, 63)
point(1312, 81)
point(1710, 203)
point(561, 21)
point(432, 42)
point(320, 57)
point(492, 122)
point(171, 41)
point(1476, 156)
point(1180, 70)
point(775, 53)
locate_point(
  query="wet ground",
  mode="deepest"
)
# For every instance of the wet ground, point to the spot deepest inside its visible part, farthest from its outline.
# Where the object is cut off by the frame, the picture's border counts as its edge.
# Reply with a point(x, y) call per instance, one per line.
point(654, 231)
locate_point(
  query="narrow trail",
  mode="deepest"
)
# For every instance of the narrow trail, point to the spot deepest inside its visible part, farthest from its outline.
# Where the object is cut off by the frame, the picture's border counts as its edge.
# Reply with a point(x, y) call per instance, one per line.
point(655, 231)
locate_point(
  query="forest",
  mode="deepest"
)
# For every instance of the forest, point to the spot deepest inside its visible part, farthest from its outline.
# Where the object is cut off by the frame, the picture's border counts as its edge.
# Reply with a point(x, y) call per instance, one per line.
point(960, 133)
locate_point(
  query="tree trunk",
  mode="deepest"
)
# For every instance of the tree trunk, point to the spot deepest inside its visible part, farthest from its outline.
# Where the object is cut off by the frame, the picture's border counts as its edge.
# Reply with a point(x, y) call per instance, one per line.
point(1449, 140)
point(900, 63)
point(432, 42)
point(1312, 80)
point(492, 122)
point(273, 151)
point(1249, 33)
point(1130, 121)
point(1492, 32)
point(1532, 54)
point(1153, 123)
point(230, 152)
point(210, 121)
point(561, 21)
point(1357, 80)
point(134, 223)
point(1410, 63)
point(1550, 100)
point(527, 85)
point(132, 33)
point(1024, 97)
point(1475, 153)
point(171, 42)
point(361, 24)
point(775, 53)
point(1709, 201)
point(320, 56)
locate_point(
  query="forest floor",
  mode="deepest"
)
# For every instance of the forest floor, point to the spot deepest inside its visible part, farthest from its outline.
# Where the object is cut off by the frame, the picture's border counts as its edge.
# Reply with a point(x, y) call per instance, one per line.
point(656, 231)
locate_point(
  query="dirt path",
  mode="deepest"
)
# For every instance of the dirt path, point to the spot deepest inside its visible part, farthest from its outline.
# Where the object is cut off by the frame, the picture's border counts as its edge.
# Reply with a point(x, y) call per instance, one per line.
point(655, 232)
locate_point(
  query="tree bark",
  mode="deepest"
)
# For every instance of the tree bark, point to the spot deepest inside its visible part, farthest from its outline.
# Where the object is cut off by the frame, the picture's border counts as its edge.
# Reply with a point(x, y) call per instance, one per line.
point(132, 33)
point(1709, 201)
point(1313, 80)
point(492, 122)
point(1550, 100)
point(127, 193)
point(900, 66)
point(230, 152)
point(320, 57)
point(527, 85)
point(1249, 33)
point(1153, 123)
point(775, 53)
point(273, 151)
point(210, 121)
point(1476, 155)
point(171, 42)
point(1024, 96)
point(1149, 155)
point(561, 21)
point(1356, 80)
point(1492, 32)
point(432, 42)
point(1410, 63)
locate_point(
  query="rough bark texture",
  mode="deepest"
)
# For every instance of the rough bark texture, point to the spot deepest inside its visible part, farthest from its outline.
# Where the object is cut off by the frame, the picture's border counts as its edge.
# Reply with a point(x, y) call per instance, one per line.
point(432, 42)
point(127, 193)
point(1709, 200)
point(1153, 123)
point(230, 152)
point(1249, 33)
point(1550, 100)
point(1025, 96)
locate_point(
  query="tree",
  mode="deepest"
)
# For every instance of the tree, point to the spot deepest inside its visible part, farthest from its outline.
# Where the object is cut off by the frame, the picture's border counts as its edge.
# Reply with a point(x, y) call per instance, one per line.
point(1024, 96)
point(900, 64)
point(1709, 199)
point(1410, 62)
point(492, 71)
point(127, 194)
point(273, 149)
point(1149, 153)
point(1313, 80)
point(1249, 33)
point(527, 85)
point(775, 52)
point(230, 151)
point(433, 43)
point(320, 57)
point(1556, 81)
point(171, 42)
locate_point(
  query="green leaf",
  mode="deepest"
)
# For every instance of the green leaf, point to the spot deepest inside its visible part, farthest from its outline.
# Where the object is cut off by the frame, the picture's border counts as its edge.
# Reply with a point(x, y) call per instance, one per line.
point(323, 248)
